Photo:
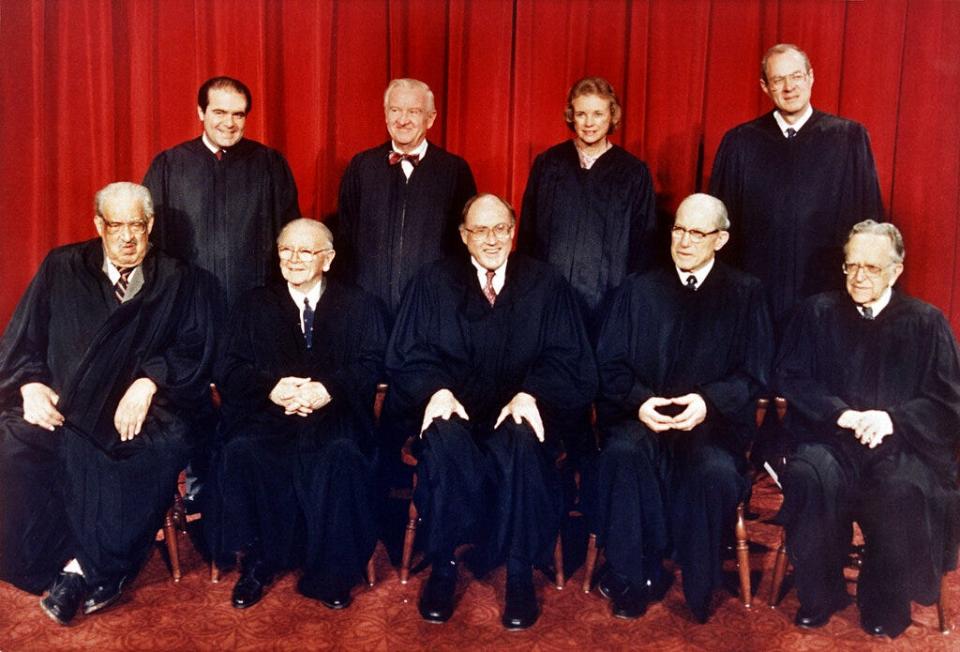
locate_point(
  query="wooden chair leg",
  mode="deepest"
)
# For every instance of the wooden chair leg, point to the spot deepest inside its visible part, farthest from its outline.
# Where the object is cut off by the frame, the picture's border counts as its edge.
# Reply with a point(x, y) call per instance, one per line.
point(942, 607)
point(214, 573)
point(743, 557)
point(408, 538)
point(779, 570)
point(170, 537)
point(558, 563)
point(589, 563)
point(371, 572)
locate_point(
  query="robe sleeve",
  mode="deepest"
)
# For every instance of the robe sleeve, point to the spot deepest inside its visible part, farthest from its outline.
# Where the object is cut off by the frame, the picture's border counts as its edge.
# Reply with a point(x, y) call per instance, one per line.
point(181, 370)
point(348, 212)
point(861, 190)
point(622, 390)
point(23, 348)
point(156, 182)
point(526, 239)
point(643, 224)
point(726, 184)
point(285, 204)
point(237, 374)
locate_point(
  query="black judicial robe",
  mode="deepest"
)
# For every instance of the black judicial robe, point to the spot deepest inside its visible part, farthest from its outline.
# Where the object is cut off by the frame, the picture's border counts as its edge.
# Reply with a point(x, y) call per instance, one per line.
point(60, 495)
point(793, 201)
point(389, 226)
point(532, 340)
point(595, 226)
point(223, 216)
point(661, 339)
point(279, 472)
point(906, 363)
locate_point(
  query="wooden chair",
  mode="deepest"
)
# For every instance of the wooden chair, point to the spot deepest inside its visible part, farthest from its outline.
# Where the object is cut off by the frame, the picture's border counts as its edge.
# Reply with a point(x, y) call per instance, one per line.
point(742, 546)
point(781, 560)
point(410, 535)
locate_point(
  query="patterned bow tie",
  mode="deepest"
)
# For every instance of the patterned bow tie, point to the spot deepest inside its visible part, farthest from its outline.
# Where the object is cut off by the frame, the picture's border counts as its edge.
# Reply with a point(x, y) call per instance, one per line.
point(396, 157)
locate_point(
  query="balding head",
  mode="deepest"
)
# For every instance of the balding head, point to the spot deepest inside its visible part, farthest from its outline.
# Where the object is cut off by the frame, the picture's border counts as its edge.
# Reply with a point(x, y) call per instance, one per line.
point(305, 248)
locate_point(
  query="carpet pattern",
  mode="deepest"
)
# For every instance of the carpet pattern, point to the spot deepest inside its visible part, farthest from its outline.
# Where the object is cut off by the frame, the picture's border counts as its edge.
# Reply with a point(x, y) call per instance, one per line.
point(156, 614)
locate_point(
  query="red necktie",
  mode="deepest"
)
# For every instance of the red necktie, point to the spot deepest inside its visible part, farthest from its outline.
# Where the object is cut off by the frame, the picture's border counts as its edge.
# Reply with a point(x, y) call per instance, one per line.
point(488, 291)
point(219, 154)
point(396, 157)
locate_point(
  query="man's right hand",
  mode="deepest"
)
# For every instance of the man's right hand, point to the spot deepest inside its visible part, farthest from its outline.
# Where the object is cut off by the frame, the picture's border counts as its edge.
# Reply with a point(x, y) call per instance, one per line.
point(285, 391)
point(443, 404)
point(39, 406)
point(651, 418)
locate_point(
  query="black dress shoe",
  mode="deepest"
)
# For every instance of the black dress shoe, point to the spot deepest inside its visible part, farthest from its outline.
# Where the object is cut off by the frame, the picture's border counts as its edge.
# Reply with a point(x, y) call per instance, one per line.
point(103, 595)
point(701, 611)
point(521, 610)
point(332, 593)
point(249, 588)
point(658, 585)
point(813, 618)
point(631, 603)
point(436, 601)
point(611, 584)
point(64, 598)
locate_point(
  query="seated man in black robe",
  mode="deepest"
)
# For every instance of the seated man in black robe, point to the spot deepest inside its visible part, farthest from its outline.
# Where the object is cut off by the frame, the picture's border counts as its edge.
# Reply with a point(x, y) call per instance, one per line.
point(872, 378)
point(682, 354)
point(100, 366)
point(298, 375)
point(488, 359)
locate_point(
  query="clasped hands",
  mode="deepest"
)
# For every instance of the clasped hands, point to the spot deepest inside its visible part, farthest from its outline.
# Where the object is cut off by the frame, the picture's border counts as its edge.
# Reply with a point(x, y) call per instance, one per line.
point(40, 407)
point(870, 427)
point(300, 396)
point(693, 414)
point(443, 404)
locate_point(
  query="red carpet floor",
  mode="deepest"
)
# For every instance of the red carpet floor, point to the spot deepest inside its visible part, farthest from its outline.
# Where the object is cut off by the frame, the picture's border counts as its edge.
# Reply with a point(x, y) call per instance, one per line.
point(157, 614)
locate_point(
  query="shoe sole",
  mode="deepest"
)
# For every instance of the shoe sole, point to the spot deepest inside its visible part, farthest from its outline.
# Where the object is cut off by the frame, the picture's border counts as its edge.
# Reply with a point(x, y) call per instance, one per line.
point(50, 614)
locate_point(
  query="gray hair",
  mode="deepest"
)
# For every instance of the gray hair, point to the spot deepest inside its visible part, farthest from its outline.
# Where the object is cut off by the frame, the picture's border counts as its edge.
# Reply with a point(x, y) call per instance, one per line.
point(120, 191)
point(410, 85)
point(700, 201)
point(782, 48)
point(322, 230)
point(872, 227)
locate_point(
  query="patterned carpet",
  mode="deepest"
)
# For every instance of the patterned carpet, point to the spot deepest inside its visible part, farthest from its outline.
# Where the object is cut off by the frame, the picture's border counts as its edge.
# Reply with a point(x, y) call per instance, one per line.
point(157, 614)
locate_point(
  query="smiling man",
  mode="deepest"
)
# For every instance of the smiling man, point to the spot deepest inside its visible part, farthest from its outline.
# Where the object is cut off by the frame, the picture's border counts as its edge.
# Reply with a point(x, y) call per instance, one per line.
point(794, 180)
point(400, 202)
point(101, 365)
point(487, 362)
point(872, 378)
point(298, 374)
point(682, 354)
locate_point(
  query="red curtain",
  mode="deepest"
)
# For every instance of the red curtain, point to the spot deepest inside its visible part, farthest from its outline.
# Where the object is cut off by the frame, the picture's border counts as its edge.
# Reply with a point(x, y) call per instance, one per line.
point(91, 90)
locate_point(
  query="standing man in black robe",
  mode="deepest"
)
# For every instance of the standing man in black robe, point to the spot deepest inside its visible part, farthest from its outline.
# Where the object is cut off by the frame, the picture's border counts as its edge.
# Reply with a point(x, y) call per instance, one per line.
point(400, 202)
point(682, 355)
point(589, 207)
point(221, 200)
point(100, 366)
point(794, 180)
point(872, 378)
point(298, 375)
point(487, 360)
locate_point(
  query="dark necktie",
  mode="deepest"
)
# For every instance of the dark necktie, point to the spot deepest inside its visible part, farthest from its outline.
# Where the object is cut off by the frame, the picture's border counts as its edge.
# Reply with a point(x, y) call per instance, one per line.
point(791, 133)
point(488, 290)
point(867, 312)
point(120, 287)
point(691, 283)
point(307, 323)
point(219, 154)
point(396, 157)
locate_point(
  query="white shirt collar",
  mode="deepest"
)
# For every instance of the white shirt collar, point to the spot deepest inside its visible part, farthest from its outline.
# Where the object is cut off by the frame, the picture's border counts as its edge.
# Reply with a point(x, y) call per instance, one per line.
point(700, 274)
point(878, 305)
point(499, 275)
point(206, 141)
point(407, 167)
point(798, 125)
point(313, 295)
point(134, 279)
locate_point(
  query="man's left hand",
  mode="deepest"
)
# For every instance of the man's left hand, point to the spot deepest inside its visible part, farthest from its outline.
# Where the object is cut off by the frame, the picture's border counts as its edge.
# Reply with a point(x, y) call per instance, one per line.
point(523, 406)
point(132, 410)
point(693, 414)
point(308, 398)
point(872, 427)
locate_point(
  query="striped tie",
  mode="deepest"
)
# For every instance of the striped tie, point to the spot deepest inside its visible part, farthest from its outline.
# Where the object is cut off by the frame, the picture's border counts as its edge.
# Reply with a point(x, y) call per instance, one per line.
point(120, 287)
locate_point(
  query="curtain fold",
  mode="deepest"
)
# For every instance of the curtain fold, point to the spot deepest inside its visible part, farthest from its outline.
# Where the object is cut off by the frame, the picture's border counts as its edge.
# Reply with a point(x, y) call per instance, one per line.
point(91, 90)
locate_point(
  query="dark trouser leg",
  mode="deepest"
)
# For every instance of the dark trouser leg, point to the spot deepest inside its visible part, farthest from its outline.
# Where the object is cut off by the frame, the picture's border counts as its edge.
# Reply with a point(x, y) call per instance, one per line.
point(706, 487)
point(449, 495)
point(625, 502)
point(816, 515)
point(334, 489)
point(528, 498)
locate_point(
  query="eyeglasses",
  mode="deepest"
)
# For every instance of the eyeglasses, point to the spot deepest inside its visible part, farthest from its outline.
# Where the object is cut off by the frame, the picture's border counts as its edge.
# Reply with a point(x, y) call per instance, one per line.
point(851, 269)
point(500, 231)
point(138, 228)
point(696, 235)
point(307, 256)
point(777, 83)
